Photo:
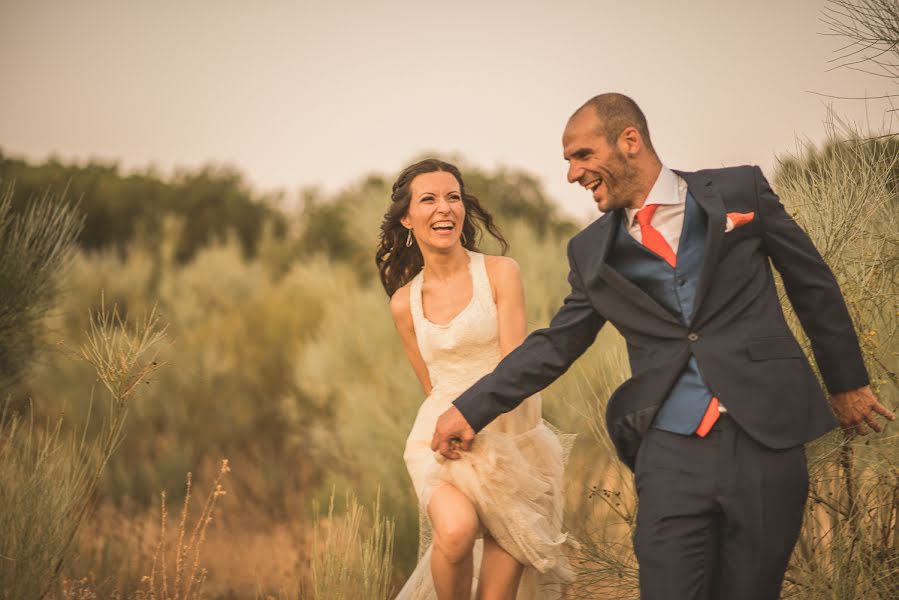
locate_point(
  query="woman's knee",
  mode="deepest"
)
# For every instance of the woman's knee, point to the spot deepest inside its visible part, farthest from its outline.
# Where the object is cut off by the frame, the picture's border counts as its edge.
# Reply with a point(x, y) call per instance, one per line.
point(455, 540)
point(455, 523)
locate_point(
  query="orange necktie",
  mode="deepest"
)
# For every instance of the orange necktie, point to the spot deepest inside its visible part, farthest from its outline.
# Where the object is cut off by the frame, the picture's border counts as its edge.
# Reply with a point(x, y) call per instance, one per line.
point(655, 241)
point(652, 239)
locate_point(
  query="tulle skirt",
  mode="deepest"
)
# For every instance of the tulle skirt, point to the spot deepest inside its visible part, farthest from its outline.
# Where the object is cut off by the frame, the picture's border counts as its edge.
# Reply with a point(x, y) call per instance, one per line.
point(513, 476)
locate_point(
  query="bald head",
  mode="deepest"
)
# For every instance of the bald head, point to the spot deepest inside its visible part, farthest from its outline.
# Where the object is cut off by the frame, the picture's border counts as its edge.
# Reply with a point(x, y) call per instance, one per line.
point(617, 112)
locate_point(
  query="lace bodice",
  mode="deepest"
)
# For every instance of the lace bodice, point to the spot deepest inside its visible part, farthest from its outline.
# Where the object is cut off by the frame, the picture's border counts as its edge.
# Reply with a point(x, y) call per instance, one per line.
point(462, 351)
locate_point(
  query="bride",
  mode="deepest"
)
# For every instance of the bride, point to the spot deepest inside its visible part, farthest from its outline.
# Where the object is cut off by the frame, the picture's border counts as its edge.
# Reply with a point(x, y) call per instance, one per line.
point(490, 521)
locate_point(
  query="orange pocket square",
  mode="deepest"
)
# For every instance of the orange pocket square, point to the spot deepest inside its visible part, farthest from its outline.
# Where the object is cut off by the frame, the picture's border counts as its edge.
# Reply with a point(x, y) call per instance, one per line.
point(735, 220)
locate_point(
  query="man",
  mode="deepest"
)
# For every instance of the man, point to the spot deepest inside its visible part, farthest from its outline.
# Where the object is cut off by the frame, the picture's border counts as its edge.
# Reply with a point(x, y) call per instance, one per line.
point(721, 398)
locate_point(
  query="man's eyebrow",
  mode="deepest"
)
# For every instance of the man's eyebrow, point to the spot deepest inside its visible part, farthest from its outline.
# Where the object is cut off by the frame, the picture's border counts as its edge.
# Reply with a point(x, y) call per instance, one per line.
point(579, 153)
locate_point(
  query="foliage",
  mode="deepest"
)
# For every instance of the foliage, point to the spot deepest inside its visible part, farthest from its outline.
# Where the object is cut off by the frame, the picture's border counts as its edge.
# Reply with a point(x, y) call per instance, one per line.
point(36, 246)
point(289, 363)
point(263, 343)
point(848, 202)
point(211, 202)
point(49, 478)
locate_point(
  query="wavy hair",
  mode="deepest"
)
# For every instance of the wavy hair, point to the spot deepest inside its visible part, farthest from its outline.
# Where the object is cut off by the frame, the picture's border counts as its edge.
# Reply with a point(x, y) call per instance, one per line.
point(398, 263)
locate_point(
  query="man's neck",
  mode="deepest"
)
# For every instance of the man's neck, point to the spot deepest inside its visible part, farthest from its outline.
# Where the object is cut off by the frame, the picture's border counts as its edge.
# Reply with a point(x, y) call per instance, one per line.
point(648, 178)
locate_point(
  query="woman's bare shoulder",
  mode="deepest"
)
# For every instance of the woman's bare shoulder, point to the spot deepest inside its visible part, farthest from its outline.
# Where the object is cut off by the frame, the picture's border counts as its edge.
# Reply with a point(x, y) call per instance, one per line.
point(502, 268)
point(399, 304)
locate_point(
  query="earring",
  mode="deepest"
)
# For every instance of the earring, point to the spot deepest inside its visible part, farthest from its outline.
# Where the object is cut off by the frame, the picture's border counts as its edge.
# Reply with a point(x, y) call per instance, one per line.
point(409, 238)
point(463, 238)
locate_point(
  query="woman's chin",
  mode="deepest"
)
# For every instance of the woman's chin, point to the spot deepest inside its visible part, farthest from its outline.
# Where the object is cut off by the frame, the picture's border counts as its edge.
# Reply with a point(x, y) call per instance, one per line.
point(444, 244)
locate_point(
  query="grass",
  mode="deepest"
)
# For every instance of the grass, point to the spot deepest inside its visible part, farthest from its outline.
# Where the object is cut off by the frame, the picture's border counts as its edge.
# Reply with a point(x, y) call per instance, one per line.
point(352, 554)
point(49, 475)
point(848, 547)
point(189, 576)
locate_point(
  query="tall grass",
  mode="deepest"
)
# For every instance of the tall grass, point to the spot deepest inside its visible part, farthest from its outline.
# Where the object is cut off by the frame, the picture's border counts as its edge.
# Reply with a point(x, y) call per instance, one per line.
point(352, 554)
point(237, 334)
point(49, 476)
point(188, 577)
point(176, 575)
point(36, 245)
point(848, 202)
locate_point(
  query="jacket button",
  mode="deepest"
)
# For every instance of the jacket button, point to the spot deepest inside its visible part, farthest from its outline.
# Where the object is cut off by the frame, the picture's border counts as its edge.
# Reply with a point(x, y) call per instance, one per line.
point(693, 337)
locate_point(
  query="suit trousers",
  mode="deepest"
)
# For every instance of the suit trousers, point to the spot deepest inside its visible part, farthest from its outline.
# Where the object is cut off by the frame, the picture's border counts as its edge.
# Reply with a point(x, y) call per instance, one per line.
point(718, 516)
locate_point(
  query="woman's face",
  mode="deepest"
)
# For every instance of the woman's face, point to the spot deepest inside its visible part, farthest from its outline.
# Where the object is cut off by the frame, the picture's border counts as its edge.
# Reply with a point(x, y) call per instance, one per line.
point(436, 211)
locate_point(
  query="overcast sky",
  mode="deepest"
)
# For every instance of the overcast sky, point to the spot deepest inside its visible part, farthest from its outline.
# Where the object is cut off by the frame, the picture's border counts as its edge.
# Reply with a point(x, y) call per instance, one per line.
point(302, 93)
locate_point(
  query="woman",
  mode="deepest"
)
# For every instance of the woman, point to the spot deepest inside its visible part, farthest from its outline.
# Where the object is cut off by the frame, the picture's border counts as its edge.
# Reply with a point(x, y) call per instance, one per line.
point(491, 521)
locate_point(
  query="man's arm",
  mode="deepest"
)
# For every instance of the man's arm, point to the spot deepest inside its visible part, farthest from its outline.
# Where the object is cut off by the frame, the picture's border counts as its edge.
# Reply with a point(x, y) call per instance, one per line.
point(815, 295)
point(537, 362)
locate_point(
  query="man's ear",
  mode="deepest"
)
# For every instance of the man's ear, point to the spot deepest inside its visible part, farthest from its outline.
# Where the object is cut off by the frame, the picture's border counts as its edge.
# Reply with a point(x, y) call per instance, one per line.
point(630, 141)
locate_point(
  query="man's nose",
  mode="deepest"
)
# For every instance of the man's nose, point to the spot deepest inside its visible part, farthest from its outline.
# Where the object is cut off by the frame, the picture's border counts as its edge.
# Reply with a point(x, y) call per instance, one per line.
point(574, 173)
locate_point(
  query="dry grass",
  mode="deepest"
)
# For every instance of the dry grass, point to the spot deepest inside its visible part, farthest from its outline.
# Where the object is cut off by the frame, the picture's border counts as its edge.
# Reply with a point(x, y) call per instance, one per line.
point(49, 476)
point(189, 577)
point(352, 554)
point(847, 201)
point(176, 573)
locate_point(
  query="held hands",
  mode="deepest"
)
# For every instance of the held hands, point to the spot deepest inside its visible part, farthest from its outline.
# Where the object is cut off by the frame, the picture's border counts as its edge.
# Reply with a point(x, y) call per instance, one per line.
point(451, 434)
point(855, 411)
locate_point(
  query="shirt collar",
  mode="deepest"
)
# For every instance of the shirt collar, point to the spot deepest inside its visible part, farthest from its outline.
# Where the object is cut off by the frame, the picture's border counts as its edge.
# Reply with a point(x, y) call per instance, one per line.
point(664, 191)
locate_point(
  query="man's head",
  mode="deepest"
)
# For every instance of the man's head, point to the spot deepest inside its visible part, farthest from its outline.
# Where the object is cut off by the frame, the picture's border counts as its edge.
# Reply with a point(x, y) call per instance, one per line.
point(609, 152)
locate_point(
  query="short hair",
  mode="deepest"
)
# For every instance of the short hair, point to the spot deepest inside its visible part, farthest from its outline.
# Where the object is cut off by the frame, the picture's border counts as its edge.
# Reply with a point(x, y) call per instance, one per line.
point(616, 113)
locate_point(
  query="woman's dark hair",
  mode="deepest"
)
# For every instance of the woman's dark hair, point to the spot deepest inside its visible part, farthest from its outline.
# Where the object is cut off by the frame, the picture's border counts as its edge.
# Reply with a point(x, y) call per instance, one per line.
point(398, 263)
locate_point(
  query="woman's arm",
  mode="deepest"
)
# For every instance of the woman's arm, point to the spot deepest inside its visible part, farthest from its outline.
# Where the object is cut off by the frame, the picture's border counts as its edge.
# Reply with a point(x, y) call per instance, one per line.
point(536, 363)
point(402, 318)
point(508, 293)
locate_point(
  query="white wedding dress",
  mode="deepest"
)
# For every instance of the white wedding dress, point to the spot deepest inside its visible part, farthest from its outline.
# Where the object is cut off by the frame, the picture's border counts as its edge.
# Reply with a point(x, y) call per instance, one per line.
point(513, 473)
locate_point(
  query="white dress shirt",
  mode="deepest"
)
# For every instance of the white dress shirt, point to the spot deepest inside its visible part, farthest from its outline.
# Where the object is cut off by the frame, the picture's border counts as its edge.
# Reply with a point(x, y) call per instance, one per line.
point(670, 193)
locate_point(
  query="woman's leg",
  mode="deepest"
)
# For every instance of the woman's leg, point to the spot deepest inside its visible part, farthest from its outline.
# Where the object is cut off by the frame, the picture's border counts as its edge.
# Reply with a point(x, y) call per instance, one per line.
point(500, 573)
point(454, 522)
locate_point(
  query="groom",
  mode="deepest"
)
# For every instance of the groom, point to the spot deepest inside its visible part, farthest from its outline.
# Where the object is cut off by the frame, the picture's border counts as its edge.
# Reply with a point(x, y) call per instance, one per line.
point(721, 398)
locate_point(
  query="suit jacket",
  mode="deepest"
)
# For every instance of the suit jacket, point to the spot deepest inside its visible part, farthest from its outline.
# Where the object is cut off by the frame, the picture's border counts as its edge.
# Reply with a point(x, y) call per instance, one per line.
point(737, 331)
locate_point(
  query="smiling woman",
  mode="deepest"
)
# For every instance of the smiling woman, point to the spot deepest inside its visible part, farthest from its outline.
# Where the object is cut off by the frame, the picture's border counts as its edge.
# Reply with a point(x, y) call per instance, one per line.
point(398, 256)
point(491, 518)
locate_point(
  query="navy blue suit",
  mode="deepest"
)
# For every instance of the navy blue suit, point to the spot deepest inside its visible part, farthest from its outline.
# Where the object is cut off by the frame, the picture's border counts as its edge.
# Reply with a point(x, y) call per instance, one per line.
point(737, 335)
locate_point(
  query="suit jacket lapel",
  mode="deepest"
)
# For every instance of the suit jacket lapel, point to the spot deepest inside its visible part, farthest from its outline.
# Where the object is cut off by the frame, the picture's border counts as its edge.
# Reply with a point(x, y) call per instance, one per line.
point(709, 199)
point(607, 232)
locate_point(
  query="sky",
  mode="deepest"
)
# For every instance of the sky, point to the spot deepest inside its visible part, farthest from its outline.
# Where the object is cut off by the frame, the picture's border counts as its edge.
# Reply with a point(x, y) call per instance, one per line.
point(319, 93)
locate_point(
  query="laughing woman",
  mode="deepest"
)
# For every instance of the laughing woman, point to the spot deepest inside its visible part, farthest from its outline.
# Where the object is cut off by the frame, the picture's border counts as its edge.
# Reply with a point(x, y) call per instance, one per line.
point(491, 522)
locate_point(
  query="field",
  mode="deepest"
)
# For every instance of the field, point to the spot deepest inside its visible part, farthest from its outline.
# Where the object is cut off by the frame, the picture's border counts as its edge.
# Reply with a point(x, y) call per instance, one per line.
point(158, 358)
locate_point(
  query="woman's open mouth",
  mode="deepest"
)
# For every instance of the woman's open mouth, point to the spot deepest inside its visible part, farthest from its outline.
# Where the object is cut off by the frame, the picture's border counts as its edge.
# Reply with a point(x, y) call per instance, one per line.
point(443, 227)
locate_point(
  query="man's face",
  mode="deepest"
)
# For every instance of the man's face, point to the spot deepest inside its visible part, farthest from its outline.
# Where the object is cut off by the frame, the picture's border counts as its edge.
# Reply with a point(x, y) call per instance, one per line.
point(600, 167)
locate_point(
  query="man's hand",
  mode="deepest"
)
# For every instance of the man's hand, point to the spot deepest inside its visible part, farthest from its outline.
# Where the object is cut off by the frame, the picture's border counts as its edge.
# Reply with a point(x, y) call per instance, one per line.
point(855, 411)
point(452, 433)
